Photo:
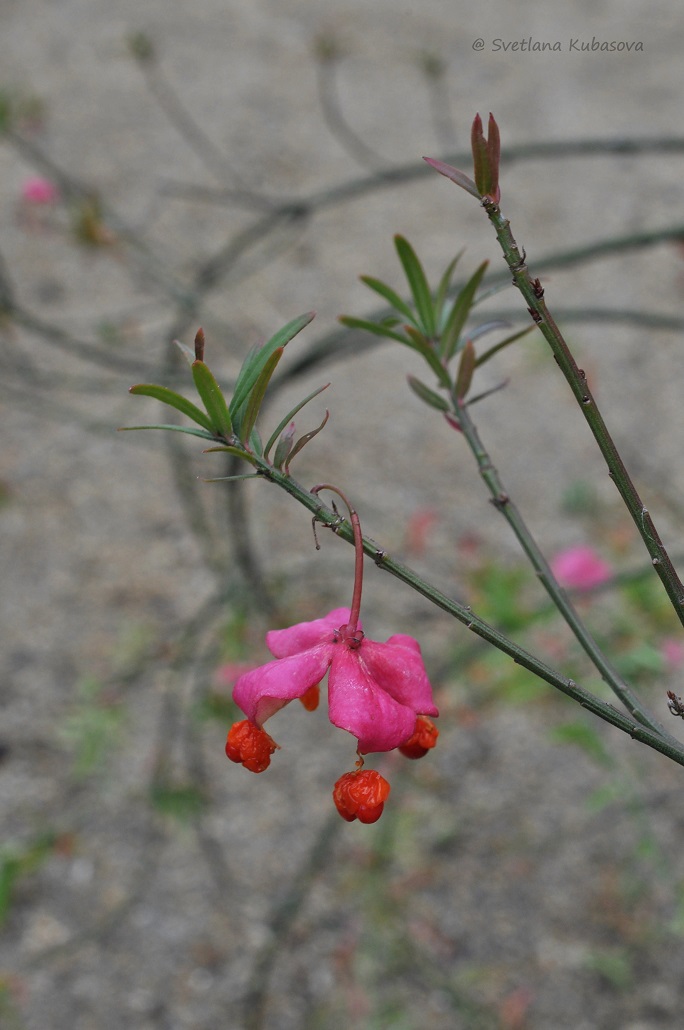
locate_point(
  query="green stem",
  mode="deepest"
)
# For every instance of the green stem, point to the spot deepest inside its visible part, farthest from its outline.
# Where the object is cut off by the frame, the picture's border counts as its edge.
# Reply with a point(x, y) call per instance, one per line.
point(533, 293)
point(667, 746)
point(355, 609)
point(503, 503)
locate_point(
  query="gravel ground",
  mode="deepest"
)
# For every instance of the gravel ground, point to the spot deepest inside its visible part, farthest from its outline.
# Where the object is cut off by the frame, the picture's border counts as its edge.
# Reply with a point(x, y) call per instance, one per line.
point(153, 886)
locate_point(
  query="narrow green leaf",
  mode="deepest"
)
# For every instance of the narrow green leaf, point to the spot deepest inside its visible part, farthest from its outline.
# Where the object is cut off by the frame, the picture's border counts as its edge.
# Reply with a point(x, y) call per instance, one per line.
point(443, 288)
point(255, 442)
point(174, 429)
point(377, 328)
point(303, 441)
point(214, 401)
point(504, 343)
point(256, 397)
point(232, 479)
point(288, 418)
point(427, 395)
point(237, 451)
point(418, 283)
point(459, 313)
point(174, 400)
point(392, 297)
point(282, 451)
point(425, 348)
point(466, 367)
point(257, 358)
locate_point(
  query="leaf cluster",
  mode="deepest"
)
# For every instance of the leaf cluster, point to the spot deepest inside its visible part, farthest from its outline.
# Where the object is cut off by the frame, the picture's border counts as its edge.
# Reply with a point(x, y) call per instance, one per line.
point(433, 323)
point(231, 425)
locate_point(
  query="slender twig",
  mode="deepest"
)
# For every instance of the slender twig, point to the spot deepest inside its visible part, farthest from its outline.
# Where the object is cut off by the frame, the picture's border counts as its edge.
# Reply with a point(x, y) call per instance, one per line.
point(506, 506)
point(533, 293)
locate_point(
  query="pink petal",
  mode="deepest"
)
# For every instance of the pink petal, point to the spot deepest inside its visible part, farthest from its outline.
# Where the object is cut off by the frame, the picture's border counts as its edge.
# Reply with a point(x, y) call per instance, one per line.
point(37, 190)
point(580, 567)
point(397, 667)
point(358, 705)
point(264, 691)
point(304, 635)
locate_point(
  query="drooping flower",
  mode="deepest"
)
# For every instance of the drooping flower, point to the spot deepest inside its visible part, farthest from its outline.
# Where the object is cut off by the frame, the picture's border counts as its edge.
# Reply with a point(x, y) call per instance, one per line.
point(580, 568)
point(378, 692)
point(375, 690)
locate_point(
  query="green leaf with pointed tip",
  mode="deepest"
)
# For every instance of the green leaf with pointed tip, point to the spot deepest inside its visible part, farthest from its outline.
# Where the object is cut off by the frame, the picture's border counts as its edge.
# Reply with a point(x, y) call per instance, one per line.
point(174, 400)
point(427, 395)
point(418, 283)
point(443, 288)
point(255, 442)
point(256, 397)
point(214, 401)
point(257, 358)
point(231, 479)
point(174, 429)
point(459, 313)
point(282, 451)
point(377, 328)
point(303, 441)
point(504, 343)
point(237, 451)
point(288, 418)
point(425, 348)
point(393, 298)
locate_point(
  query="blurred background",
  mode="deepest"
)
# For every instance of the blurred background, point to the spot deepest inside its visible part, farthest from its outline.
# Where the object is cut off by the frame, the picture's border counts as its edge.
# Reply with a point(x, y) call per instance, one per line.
point(232, 164)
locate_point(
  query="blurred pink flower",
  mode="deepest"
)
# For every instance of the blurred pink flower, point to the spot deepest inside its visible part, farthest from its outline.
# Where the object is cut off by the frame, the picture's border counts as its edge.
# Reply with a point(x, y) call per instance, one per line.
point(580, 568)
point(39, 191)
point(672, 650)
point(418, 530)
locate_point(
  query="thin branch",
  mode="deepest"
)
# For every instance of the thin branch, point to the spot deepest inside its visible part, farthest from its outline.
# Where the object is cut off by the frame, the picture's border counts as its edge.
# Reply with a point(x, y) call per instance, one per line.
point(533, 293)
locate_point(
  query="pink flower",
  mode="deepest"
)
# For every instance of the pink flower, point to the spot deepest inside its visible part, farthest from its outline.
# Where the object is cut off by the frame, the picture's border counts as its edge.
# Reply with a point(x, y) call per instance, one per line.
point(375, 690)
point(39, 191)
point(672, 651)
point(580, 567)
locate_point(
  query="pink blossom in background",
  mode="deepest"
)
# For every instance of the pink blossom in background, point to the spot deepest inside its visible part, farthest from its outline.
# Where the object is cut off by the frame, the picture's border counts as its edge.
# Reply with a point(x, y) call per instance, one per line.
point(580, 568)
point(672, 650)
point(419, 529)
point(39, 191)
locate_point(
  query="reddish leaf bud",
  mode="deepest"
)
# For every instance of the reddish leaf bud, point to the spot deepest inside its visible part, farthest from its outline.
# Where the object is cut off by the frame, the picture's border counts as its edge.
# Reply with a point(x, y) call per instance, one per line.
point(486, 156)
